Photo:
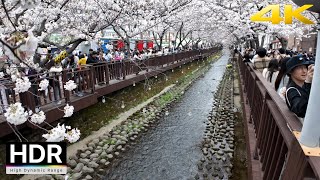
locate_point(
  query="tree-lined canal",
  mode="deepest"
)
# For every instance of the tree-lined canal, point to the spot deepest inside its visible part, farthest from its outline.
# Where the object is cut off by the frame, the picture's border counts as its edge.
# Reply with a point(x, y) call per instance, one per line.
point(172, 149)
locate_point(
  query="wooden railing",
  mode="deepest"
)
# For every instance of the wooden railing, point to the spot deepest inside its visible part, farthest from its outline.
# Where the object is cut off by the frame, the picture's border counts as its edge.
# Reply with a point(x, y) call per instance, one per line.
point(277, 149)
point(88, 77)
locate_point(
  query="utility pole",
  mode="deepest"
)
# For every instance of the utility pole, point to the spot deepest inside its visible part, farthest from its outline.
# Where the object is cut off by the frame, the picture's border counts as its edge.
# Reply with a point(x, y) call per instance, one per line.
point(310, 134)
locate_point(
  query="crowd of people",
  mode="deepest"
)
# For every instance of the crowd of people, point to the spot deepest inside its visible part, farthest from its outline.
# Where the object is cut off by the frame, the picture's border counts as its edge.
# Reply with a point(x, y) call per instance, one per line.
point(289, 73)
point(112, 55)
point(51, 70)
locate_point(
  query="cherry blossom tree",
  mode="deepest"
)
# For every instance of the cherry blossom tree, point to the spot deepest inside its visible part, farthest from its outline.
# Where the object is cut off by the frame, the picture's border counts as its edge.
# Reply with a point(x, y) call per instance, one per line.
point(26, 25)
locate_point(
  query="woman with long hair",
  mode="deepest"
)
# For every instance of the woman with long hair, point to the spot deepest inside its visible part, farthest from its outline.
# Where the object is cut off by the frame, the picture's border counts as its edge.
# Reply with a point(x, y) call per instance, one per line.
point(282, 79)
point(272, 71)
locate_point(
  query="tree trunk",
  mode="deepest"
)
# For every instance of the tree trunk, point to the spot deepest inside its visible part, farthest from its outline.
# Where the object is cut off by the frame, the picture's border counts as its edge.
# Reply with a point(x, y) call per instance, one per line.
point(262, 40)
point(256, 42)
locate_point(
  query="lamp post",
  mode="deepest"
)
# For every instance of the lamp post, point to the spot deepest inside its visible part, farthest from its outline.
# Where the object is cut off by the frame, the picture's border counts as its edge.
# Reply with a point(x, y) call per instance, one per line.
point(310, 134)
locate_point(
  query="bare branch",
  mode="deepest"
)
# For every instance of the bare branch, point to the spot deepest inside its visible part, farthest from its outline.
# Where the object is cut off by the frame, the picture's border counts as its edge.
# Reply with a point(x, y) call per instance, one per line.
point(13, 52)
point(7, 14)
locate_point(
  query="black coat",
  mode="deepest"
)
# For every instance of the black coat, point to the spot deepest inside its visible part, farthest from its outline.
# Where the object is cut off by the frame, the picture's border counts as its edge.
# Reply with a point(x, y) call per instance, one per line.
point(297, 98)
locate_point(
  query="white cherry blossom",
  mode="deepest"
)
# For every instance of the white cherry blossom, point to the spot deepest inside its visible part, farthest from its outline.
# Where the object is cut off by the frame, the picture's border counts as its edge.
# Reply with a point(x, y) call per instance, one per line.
point(73, 135)
point(60, 133)
point(70, 85)
point(15, 114)
point(22, 85)
point(43, 85)
point(56, 134)
point(38, 118)
point(68, 110)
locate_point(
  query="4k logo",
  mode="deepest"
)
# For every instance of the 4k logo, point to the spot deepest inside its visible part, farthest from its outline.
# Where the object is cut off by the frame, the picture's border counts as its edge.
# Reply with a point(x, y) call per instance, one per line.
point(276, 18)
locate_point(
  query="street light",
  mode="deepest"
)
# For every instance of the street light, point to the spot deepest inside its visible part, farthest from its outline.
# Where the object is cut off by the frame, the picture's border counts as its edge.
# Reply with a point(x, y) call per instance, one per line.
point(310, 134)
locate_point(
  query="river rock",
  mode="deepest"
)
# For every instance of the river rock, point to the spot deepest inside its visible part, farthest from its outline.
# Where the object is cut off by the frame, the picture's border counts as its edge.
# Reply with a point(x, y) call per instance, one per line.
point(94, 156)
point(103, 161)
point(88, 177)
point(95, 159)
point(103, 154)
point(84, 161)
point(90, 148)
point(83, 155)
point(93, 164)
point(86, 170)
point(88, 152)
point(98, 151)
point(107, 163)
point(116, 153)
point(120, 142)
point(215, 148)
point(220, 153)
point(72, 163)
point(109, 150)
point(45, 177)
point(59, 177)
point(76, 176)
point(228, 150)
point(78, 168)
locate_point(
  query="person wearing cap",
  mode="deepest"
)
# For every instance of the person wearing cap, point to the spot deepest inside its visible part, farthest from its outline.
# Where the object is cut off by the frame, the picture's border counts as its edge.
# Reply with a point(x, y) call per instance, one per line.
point(300, 73)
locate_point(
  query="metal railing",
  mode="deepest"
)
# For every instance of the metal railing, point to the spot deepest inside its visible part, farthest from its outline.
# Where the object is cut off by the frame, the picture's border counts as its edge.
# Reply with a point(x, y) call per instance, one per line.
point(277, 149)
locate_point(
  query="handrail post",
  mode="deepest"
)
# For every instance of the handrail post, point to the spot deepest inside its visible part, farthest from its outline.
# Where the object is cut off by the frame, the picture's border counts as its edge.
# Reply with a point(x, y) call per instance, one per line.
point(64, 80)
point(123, 67)
point(27, 100)
point(107, 72)
point(93, 79)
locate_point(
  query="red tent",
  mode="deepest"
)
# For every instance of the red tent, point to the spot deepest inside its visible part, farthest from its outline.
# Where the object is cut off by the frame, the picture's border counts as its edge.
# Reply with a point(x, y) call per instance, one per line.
point(150, 44)
point(120, 44)
point(140, 45)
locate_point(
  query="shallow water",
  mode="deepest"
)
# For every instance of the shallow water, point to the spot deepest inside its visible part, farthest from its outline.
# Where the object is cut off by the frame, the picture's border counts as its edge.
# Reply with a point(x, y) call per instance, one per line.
point(171, 150)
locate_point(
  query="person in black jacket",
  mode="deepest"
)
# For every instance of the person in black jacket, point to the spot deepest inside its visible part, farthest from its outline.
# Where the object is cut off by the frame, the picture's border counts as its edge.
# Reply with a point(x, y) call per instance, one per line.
point(300, 72)
point(92, 58)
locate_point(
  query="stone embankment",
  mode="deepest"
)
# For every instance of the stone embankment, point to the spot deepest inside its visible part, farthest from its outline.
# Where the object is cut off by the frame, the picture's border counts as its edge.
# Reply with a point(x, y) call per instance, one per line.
point(218, 141)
